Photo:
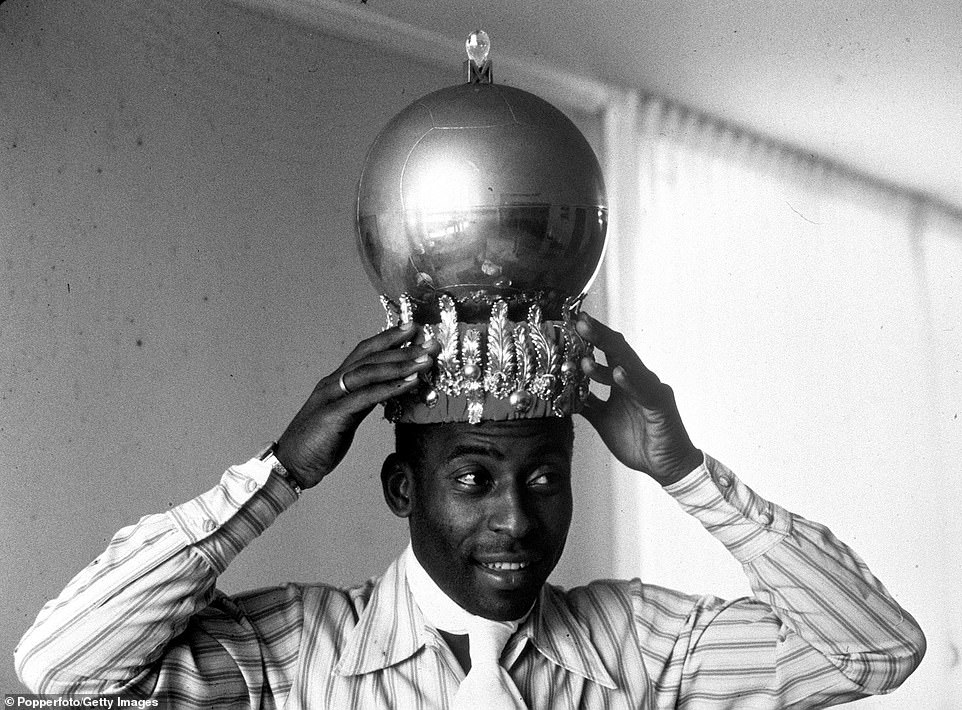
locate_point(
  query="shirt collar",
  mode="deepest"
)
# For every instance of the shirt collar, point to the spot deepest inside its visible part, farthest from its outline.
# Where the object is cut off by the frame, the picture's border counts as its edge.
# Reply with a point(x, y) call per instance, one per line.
point(562, 638)
point(391, 629)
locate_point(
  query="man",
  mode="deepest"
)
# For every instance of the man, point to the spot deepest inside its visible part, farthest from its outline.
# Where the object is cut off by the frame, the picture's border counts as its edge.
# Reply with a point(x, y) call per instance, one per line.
point(488, 507)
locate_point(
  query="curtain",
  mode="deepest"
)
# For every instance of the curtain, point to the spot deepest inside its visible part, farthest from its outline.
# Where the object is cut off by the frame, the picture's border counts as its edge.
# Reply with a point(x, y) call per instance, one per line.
point(809, 321)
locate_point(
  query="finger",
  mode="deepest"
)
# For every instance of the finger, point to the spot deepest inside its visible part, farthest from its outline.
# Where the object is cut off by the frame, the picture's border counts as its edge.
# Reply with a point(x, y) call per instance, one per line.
point(431, 347)
point(618, 376)
point(407, 359)
point(596, 371)
point(362, 400)
point(616, 349)
point(374, 373)
point(609, 341)
point(645, 387)
point(385, 340)
point(622, 380)
point(647, 390)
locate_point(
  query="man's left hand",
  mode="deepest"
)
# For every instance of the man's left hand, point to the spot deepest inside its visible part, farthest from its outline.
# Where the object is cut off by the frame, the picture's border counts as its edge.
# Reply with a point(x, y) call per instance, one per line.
point(639, 422)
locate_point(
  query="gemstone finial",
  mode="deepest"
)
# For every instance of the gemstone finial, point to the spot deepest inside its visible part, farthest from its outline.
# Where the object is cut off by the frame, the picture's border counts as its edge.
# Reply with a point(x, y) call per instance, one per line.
point(478, 45)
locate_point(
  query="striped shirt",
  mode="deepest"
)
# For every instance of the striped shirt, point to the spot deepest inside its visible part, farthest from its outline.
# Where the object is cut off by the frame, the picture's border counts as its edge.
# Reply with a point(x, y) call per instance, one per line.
point(145, 619)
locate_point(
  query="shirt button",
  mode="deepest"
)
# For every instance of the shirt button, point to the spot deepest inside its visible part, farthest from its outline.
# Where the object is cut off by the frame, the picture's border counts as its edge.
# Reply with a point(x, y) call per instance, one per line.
point(766, 518)
point(251, 485)
point(724, 480)
point(209, 525)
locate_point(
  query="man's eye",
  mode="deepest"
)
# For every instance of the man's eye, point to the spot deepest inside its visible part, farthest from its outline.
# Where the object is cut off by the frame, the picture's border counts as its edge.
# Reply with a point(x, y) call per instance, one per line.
point(470, 479)
point(543, 479)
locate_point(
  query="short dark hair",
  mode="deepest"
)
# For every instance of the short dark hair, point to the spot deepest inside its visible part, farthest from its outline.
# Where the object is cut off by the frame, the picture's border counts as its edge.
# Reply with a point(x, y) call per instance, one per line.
point(409, 439)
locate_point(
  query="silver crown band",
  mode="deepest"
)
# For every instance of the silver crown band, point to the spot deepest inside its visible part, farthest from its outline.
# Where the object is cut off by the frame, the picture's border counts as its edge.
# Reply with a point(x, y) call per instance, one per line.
point(500, 369)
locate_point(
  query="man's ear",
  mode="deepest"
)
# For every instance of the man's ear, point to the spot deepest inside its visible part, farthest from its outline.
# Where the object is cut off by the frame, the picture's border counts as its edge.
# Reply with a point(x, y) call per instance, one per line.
point(397, 480)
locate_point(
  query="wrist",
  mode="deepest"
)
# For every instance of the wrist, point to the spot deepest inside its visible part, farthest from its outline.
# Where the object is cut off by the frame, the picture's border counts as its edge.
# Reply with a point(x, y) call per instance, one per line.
point(686, 464)
point(269, 457)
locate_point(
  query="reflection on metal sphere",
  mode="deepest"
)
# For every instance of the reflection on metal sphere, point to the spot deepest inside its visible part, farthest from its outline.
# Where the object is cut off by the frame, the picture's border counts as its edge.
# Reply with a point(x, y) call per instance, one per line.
point(521, 400)
point(481, 191)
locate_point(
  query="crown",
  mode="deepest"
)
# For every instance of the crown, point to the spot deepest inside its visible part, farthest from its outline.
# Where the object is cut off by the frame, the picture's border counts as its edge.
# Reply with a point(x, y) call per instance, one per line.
point(481, 218)
point(502, 369)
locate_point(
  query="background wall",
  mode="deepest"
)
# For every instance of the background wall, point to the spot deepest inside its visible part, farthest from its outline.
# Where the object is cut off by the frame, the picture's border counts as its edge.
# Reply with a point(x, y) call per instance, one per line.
point(178, 270)
point(809, 320)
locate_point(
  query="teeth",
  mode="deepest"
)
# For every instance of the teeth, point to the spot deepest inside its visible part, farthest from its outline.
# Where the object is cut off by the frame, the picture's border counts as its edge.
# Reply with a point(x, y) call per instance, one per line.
point(506, 566)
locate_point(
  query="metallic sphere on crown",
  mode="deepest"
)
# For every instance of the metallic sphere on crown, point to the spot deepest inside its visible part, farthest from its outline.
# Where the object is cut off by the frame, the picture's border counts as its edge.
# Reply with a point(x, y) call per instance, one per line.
point(481, 192)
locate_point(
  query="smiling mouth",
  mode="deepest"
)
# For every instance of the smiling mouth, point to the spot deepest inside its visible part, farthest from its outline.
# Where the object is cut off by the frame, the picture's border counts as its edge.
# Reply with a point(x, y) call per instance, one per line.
point(506, 566)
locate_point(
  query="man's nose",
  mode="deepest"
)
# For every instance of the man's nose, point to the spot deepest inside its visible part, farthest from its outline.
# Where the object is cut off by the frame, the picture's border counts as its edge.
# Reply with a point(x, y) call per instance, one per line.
point(509, 514)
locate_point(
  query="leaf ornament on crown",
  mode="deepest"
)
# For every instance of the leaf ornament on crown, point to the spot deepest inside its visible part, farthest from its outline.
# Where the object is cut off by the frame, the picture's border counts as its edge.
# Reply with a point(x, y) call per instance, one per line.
point(471, 372)
point(545, 354)
point(449, 364)
point(500, 369)
point(573, 386)
point(521, 398)
point(391, 313)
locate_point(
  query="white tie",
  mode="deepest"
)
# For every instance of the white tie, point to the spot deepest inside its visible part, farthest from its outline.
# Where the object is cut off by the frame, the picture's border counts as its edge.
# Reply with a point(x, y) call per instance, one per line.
point(487, 686)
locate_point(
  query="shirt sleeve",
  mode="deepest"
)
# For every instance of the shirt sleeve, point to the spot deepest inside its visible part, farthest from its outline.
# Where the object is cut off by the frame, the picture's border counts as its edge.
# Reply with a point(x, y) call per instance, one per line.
point(121, 625)
point(820, 629)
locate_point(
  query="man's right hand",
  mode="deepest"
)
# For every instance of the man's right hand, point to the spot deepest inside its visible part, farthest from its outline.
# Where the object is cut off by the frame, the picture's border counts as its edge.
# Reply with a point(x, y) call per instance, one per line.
point(378, 369)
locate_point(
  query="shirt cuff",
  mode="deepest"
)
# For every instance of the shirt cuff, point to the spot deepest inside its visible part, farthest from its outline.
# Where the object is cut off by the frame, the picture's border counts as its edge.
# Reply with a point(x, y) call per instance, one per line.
point(744, 522)
point(225, 519)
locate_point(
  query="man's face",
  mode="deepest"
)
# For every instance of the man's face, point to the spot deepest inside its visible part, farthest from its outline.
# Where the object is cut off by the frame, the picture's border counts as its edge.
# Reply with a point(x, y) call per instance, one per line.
point(490, 507)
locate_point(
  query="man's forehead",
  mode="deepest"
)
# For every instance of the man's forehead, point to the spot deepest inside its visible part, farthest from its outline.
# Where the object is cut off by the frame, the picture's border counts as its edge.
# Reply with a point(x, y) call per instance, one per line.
point(510, 428)
point(500, 436)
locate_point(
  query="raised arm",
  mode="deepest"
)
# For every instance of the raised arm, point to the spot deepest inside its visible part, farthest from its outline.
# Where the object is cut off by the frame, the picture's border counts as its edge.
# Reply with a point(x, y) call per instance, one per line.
point(821, 629)
point(145, 618)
